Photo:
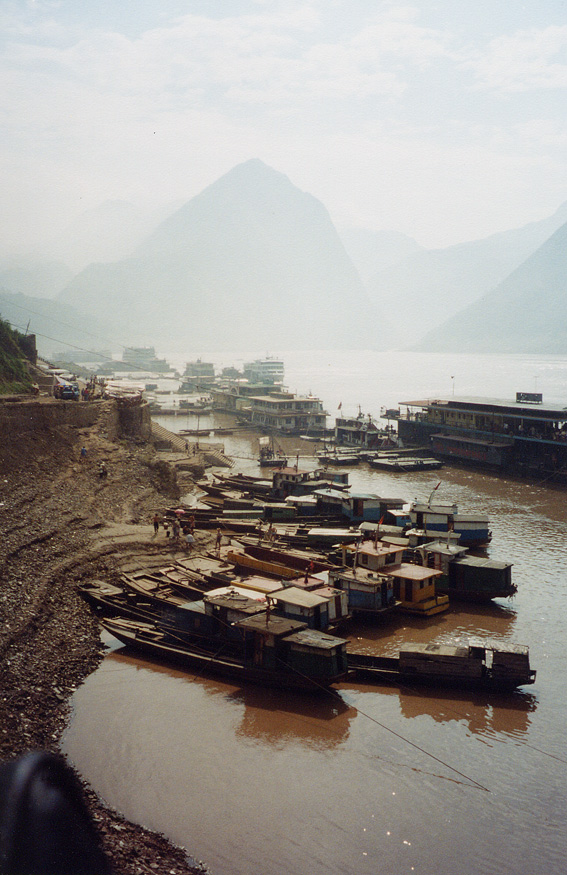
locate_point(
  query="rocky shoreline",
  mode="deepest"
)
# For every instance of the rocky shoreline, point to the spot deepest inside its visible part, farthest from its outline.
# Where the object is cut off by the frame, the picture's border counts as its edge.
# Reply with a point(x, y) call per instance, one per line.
point(61, 524)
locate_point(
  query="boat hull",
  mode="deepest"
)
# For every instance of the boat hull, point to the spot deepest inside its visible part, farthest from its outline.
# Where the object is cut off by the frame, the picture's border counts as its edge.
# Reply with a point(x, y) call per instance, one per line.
point(191, 657)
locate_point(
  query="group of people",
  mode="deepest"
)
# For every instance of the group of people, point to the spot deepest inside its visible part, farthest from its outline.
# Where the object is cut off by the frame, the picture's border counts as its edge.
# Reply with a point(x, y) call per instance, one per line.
point(174, 530)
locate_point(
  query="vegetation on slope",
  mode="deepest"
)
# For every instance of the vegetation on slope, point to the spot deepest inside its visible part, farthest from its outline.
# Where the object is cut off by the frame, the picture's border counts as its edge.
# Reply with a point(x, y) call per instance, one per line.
point(14, 376)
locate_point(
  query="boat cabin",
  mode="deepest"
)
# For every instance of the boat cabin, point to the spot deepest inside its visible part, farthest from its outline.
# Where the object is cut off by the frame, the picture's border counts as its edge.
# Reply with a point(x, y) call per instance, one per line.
point(487, 664)
point(373, 556)
point(473, 530)
point(414, 586)
point(287, 481)
point(304, 605)
point(230, 609)
point(320, 607)
point(277, 643)
point(367, 591)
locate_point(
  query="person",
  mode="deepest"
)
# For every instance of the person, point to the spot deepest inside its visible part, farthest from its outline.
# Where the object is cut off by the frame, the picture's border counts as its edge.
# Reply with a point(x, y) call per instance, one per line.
point(156, 523)
point(166, 528)
point(45, 825)
point(176, 529)
point(218, 541)
point(192, 523)
point(189, 540)
point(102, 470)
point(83, 452)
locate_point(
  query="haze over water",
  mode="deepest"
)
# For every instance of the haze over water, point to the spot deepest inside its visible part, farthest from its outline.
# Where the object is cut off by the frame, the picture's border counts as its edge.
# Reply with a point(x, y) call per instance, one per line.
point(376, 779)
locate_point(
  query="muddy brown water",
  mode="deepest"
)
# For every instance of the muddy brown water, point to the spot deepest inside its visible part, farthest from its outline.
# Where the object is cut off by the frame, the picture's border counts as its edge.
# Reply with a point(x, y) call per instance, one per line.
point(369, 779)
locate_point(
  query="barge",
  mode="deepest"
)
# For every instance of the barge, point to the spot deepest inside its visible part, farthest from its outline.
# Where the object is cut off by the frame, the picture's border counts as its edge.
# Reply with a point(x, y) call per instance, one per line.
point(522, 436)
point(479, 666)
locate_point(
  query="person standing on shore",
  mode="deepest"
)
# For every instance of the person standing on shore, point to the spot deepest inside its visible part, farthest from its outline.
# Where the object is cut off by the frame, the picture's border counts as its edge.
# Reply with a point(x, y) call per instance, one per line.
point(156, 523)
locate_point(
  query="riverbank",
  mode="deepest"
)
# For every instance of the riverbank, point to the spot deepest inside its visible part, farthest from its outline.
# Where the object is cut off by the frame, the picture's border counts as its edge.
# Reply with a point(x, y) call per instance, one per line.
point(62, 523)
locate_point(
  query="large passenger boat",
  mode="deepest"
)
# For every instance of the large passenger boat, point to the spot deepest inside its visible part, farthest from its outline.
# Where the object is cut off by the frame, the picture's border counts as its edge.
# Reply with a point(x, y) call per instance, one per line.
point(518, 437)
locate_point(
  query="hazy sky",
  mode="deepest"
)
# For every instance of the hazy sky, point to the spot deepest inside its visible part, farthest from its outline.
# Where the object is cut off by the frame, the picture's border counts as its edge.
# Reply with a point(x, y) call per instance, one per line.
point(445, 120)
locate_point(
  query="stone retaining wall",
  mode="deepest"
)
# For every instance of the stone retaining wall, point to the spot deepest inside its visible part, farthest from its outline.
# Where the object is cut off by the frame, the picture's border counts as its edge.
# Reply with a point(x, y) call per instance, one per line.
point(29, 415)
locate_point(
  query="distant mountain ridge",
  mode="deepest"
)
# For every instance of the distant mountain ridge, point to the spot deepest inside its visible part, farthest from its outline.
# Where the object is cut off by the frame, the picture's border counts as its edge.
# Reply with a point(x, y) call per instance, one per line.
point(526, 313)
point(250, 260)
point(433, 285)
point(253, 262)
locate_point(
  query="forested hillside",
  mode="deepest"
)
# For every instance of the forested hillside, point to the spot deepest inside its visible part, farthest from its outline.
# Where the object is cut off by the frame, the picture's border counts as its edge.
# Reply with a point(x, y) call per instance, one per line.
point(14, 376)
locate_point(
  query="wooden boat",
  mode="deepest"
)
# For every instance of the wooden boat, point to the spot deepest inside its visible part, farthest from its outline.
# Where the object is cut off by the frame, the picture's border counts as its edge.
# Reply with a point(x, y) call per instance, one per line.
point(299, 560)
point(434, 519)
point(338, 459)
point(368, 592)
point(269, 456)
point(466, 578)
point(243, 559)
point(404, 464)
point(484, 666)
point(263, 648)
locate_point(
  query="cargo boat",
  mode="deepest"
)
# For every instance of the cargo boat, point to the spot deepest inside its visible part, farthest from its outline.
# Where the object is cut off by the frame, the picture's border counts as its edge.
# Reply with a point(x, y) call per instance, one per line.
point(485, 666)
point(256, 648)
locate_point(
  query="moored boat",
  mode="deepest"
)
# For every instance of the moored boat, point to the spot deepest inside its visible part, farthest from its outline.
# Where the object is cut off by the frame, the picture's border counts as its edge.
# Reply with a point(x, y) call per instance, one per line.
point(473, 530)
point(483, 665)
point(258, 648)
point(464, 577)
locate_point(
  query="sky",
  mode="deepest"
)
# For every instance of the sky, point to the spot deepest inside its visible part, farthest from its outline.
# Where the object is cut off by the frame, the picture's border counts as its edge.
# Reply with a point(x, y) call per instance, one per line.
point(442, 119)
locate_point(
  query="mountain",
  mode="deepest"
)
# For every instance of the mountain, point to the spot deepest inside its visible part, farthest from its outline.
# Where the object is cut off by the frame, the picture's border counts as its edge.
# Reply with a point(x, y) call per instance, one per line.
point(34, 276)
point(425, 289)
point(374, 251)
point(251, 261)
point(57, 326)
point(109, 232)
point(526, 313)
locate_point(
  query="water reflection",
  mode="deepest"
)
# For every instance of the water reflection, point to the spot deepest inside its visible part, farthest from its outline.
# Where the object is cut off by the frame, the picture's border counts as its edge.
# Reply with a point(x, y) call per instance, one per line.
point(280, 717)
point(274, 717)
point(484, 715)
point(386, 636)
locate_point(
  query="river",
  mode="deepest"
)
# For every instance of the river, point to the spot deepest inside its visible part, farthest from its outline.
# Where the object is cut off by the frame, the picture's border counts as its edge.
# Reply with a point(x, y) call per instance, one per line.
point(370, 779)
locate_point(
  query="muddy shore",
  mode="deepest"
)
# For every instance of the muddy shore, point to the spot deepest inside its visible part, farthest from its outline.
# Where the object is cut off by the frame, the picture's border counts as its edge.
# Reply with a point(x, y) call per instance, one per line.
point(61, 524)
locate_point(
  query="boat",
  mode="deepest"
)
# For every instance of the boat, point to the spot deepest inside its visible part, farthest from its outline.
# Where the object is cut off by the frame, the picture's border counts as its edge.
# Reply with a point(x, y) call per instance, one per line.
point(269, 456)
point(483, 665)
point(466, 578)
point(433, 519)
point(368, 593)
point(361, 431)
point(252, 646)
point(519, 437)
point(337, 458)
point(404, 464)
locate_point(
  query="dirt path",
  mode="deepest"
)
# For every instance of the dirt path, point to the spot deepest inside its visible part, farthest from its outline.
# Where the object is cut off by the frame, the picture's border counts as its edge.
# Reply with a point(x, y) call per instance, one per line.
point(59, 524)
